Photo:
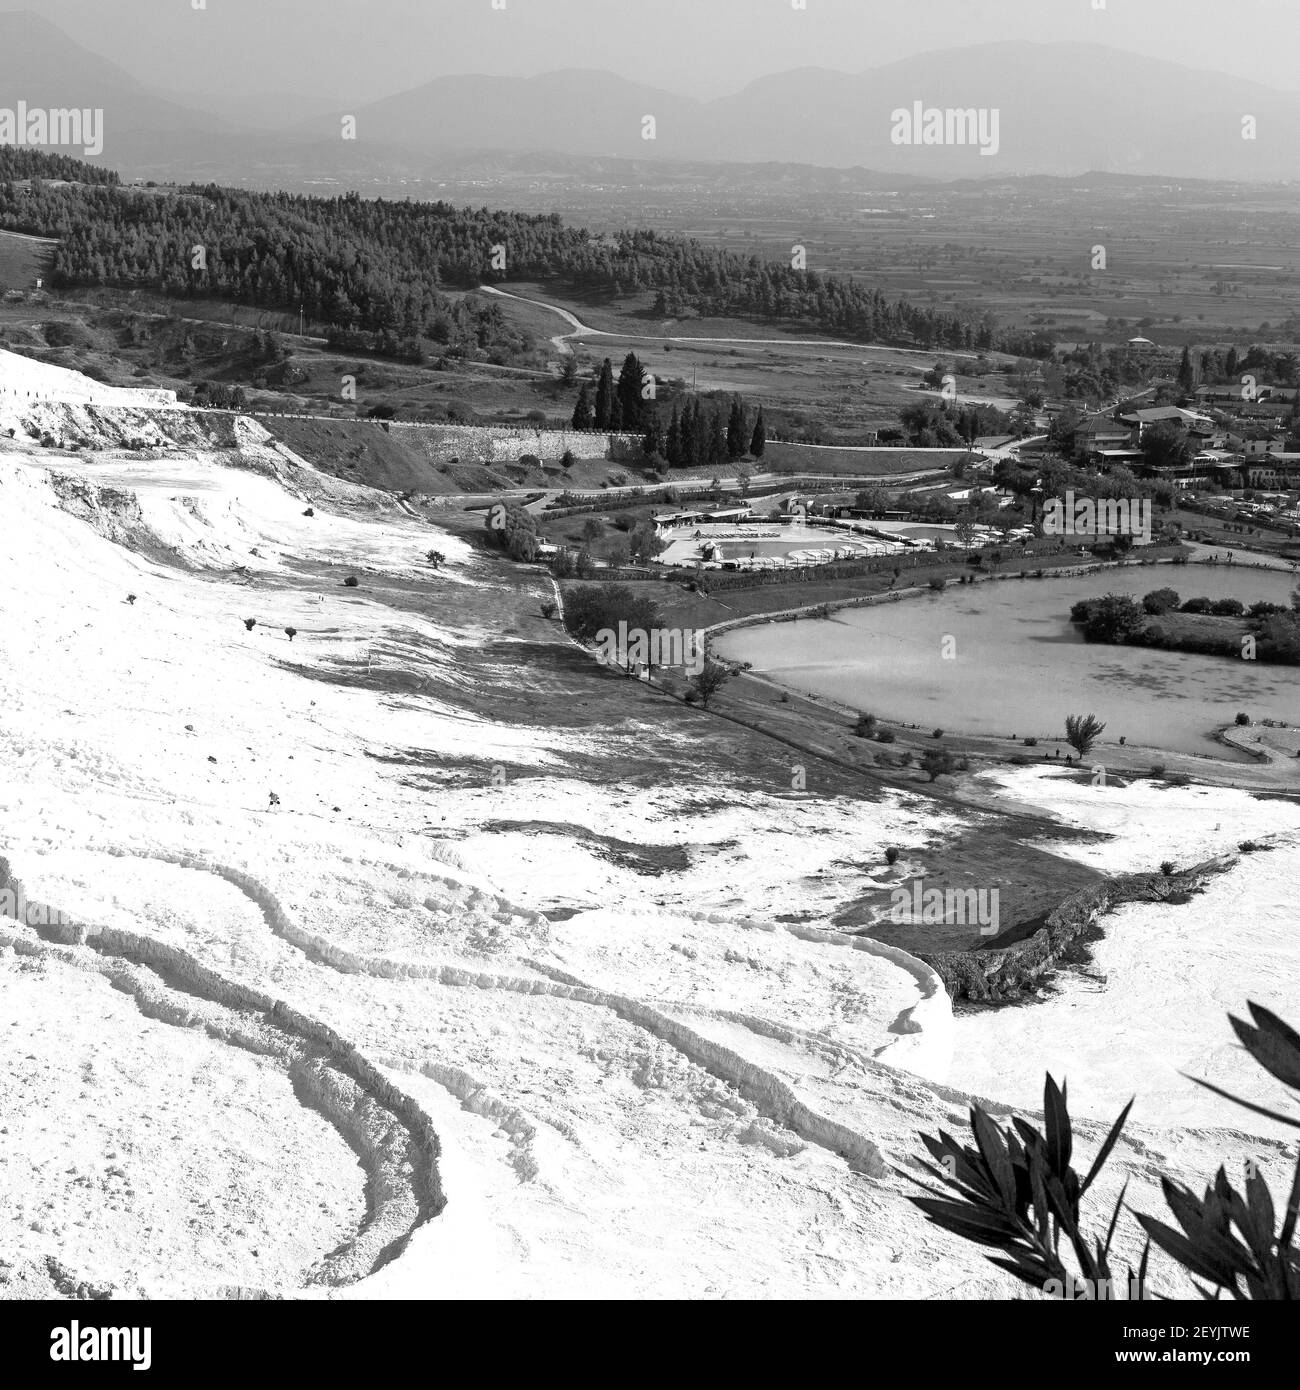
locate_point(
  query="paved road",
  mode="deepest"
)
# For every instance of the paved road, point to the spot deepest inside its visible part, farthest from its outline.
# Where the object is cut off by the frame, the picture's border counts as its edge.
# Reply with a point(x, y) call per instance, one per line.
point(581, 330)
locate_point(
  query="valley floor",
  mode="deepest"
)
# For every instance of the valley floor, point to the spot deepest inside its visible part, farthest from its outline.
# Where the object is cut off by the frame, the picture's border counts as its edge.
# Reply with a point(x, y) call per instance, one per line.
point(416, 956)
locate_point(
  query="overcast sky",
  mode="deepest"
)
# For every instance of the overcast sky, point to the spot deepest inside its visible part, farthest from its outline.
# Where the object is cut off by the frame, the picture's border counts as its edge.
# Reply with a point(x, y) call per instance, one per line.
point(358, 50)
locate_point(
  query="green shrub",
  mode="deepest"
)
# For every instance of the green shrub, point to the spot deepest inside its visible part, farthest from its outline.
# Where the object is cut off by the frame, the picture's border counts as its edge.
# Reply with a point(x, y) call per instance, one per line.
point(593, 608)
point(1082, 731)
point(1161, 601)
point(938, 762)
point(1115, 618)
point(1016, 1192)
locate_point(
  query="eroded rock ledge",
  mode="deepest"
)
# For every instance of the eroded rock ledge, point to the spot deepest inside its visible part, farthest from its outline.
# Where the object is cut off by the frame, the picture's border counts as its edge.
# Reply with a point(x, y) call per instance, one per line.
point(997, 974)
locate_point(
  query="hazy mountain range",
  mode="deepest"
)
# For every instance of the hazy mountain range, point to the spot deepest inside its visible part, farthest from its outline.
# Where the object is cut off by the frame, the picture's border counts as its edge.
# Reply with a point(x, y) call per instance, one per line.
point(1062, 109)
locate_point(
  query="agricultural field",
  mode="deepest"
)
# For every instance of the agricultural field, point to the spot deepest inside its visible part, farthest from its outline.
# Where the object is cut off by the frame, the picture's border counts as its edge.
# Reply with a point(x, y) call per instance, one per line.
point(23, 260)
point(1185, 260)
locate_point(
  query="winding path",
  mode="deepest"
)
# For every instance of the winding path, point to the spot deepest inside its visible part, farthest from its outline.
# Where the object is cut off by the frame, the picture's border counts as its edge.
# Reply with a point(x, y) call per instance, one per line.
point(582, 330)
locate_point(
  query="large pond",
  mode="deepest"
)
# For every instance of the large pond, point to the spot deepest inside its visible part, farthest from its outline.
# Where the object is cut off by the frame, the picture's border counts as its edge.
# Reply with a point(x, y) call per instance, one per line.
point(1017, 666)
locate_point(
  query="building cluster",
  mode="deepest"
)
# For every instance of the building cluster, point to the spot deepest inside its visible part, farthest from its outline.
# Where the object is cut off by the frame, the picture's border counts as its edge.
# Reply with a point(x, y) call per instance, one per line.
point(1237, 441)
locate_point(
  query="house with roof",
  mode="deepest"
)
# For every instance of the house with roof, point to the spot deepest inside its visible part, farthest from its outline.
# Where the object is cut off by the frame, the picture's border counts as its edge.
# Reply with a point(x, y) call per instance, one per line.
point(1103, 432)
point(1218, 466)
point(1254, 441)
point(1142, 420)
point(1276, 470)
point(1210, 397)
point(1200, 428)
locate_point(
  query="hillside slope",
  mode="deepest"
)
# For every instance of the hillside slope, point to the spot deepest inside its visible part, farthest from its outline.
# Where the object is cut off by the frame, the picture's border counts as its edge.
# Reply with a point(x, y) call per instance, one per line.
point(411, 954)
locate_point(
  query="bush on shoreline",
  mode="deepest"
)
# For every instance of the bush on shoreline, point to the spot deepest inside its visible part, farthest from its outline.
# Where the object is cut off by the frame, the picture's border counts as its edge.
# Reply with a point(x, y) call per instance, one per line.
point(1200, 625)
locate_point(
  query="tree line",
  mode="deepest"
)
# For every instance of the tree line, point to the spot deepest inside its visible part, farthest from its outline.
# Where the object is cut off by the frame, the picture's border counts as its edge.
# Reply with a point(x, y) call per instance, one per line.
point(21, 162)
point(695, 435)
point(375, 266)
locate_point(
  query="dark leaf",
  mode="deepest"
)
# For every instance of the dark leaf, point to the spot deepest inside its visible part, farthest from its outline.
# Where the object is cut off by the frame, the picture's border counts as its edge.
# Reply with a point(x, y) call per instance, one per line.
point(989, 1138)
point(987, 1228)
point(1057, 1118)
point(1104, 1152)
point(1026, 1265)
point(1114, 1217)
point(1245, 1104)
point(1188, 1255)
point(1272, 1044)
point(1259, 1226)
point(1292, 1210)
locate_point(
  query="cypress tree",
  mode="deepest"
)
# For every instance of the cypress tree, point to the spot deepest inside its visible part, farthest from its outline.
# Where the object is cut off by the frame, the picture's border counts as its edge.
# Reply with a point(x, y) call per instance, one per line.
point(736, 430)
point(673, 444)
point(653, 442)
point(1186, 372)
point(686, 457)
point(605, 396)
point(582, 416)
point(758, 444)
point(699, 436)
point(717, 441)
point(629, 392)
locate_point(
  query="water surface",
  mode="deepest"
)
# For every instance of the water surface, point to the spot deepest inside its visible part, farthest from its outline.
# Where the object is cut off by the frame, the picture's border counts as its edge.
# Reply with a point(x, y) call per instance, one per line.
point(1019, 666)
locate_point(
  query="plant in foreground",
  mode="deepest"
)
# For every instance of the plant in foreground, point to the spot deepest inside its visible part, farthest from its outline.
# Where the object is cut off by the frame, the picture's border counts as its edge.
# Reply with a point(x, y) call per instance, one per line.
point(1017, 1192)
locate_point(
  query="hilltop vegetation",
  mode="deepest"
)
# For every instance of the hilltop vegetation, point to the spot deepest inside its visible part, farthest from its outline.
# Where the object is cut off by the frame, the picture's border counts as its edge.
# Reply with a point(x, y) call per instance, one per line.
point(375, 267)
point(19, 162)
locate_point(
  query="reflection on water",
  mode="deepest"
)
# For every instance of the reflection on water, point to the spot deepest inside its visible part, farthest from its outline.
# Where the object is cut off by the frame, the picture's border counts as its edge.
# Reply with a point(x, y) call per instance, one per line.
point(1020, 667)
